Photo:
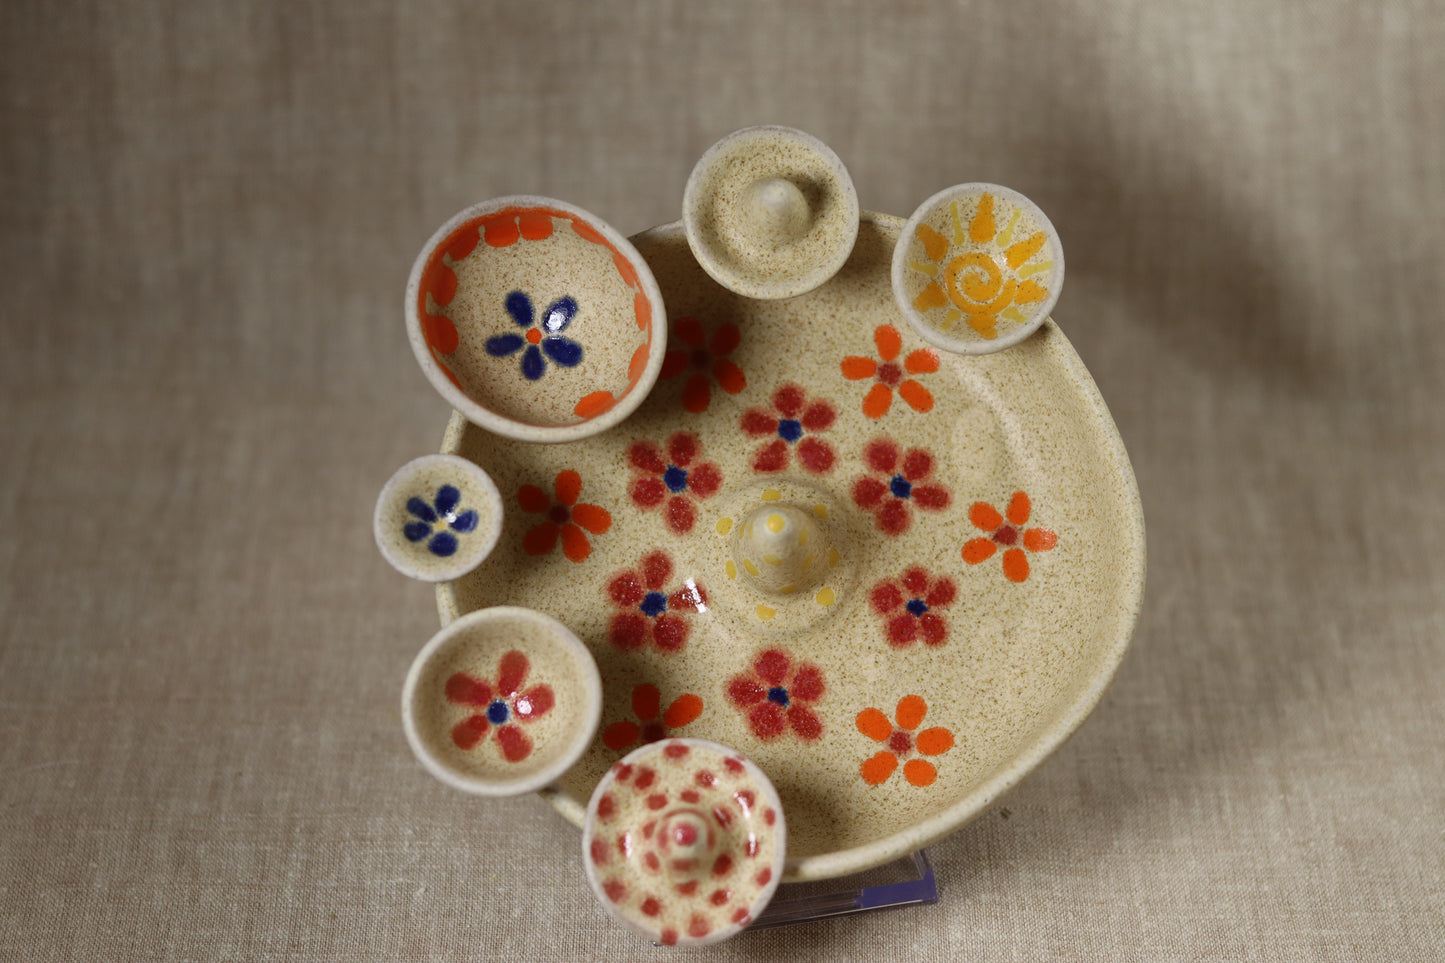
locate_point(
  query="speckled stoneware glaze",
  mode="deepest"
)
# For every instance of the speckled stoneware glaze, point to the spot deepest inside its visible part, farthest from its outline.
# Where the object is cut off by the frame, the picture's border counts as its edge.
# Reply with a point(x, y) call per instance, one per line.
point(770, 212)
point(893, 577)
point(684, 841)
point(977, 269)
point(437, 518)
point(535, 319)
point(501, 701)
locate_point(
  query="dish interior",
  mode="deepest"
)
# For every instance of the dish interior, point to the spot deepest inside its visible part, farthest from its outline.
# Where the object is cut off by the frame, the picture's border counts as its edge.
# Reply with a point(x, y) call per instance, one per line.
point(979, 566)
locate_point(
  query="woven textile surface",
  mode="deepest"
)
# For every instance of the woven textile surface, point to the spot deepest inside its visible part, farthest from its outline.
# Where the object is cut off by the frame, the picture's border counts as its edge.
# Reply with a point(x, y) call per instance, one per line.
point(207, 215)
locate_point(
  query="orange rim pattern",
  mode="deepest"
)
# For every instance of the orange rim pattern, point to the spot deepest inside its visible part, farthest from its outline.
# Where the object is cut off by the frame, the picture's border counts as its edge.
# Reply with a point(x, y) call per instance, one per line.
point(502, 229)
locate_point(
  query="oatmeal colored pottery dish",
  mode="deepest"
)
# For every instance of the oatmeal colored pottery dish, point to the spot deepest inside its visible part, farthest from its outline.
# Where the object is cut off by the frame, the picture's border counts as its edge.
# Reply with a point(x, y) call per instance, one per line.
point(501, 702)
point(770, 212)
point(437, 518)
point(684, 842)
point(535, 319)
point(895, 578)
point(977, 269)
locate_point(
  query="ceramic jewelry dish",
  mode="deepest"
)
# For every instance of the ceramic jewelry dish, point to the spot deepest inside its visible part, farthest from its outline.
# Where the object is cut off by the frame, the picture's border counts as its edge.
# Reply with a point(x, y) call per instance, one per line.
point(893, 577)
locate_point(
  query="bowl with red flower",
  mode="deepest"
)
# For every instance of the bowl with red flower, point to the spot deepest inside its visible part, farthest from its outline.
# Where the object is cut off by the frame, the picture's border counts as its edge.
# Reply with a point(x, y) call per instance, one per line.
point(501, 702)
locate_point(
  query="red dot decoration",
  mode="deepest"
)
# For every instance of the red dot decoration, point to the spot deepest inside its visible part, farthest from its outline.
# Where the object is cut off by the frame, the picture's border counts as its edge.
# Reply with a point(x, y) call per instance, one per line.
point(698, 854)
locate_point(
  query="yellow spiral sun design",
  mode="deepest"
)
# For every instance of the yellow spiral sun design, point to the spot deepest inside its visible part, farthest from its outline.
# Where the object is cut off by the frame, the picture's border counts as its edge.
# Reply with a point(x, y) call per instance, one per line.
point(983, 273)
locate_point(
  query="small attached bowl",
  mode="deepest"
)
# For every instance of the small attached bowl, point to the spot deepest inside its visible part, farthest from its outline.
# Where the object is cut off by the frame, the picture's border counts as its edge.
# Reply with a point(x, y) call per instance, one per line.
point(684, 842)
point(977, 269)
point(501, 702)
point(770, 212)
point(437, 518)
point(535, 319)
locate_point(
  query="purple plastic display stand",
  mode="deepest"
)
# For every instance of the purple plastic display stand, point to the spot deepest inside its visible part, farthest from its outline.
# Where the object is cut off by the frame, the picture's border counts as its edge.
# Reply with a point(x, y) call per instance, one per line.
point(793, 904)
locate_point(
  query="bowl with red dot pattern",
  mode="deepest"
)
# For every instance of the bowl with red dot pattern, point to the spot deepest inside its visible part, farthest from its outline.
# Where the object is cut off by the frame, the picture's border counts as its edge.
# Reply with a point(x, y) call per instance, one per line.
point(684, 842)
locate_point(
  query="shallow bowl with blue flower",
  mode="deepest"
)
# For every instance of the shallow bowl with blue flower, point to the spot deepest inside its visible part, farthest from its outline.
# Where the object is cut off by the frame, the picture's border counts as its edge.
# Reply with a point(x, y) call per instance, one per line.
point(535, 319)
point(437, 518)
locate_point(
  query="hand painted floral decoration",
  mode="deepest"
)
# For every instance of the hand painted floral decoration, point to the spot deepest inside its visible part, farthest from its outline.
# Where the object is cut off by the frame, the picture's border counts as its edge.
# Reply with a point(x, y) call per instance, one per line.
point(888, 375)
point(791, 423)
point(777, 694)
point(901, 742)
point(653, 723)
point(565, 519)
point(1008, 533)
point(708, 362)
point(898, 483)
point(502, 706)
point(675, 482)
point(647, 612)
point(438, 520)
point(911, 607)
point(538, 340)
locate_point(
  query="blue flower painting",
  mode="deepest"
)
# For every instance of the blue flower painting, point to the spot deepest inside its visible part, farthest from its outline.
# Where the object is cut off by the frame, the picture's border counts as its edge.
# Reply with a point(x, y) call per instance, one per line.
point(542, 341)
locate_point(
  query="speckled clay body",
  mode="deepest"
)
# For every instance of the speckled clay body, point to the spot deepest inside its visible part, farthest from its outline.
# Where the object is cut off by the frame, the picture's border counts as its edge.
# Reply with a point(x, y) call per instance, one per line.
point(977, 564)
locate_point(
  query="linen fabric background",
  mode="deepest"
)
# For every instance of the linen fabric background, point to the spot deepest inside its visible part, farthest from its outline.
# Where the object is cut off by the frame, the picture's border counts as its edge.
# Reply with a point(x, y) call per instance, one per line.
point(209, 213)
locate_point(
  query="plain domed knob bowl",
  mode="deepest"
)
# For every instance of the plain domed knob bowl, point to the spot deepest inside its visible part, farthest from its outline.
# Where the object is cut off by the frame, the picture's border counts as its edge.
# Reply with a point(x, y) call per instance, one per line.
point(770, 212)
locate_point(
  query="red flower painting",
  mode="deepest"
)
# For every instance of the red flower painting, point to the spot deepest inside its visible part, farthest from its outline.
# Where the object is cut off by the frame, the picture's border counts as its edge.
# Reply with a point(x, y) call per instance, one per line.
point(673, 480)
point(791, 423)
point(778, 694)
point(502, 706)
point(899, 482)
point(647, 612)
point(911, 607)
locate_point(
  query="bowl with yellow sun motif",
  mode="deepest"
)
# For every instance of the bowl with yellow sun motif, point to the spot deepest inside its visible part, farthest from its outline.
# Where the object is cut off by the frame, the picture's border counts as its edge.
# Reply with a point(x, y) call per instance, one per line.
point(978, 268)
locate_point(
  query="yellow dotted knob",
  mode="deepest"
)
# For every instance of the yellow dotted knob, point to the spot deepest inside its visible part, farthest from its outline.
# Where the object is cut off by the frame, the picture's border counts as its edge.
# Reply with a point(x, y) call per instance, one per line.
point(776, 547)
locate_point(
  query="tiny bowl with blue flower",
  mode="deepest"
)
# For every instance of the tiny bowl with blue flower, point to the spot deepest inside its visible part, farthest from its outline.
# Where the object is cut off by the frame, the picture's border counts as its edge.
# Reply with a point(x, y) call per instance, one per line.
point(437, 518)
point(535, 319)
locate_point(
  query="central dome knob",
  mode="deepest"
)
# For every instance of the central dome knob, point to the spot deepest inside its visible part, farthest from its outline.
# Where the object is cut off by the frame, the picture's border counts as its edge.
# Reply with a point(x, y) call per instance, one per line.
point(780, 549)
point(775, 211)
point(685, 842)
